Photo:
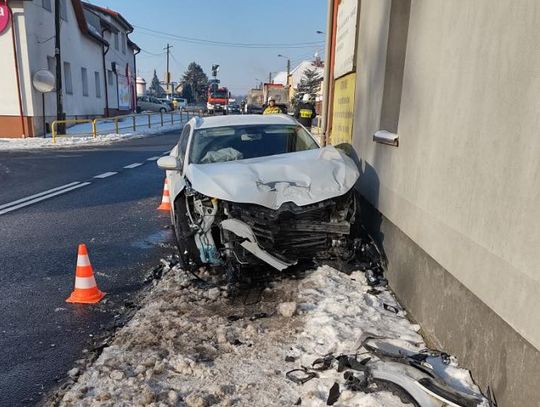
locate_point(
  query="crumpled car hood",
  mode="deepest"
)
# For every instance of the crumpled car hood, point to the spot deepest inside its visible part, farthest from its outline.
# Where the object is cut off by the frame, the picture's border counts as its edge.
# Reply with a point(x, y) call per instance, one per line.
point(303, 177)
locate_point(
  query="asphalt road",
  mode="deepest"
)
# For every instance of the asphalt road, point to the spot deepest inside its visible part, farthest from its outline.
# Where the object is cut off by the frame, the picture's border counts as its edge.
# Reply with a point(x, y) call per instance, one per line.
point(50, 201)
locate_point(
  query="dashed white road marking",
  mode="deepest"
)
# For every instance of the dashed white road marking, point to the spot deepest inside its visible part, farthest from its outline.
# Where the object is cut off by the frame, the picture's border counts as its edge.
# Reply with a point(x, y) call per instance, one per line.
point(28, 198)
point(44, 197)
point(153, 158)
point(106, 175)
point(134, 165)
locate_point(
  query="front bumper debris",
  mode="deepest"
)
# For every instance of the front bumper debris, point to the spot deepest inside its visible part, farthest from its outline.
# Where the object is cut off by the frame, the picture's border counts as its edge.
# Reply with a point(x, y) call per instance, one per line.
point(243, 231)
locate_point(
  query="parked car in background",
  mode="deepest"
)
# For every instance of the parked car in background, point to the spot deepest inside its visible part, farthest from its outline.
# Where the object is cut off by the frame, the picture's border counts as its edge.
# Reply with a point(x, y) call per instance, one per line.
point(167, 102)
point(233, 108)
point(152, 104)
point(252, 189)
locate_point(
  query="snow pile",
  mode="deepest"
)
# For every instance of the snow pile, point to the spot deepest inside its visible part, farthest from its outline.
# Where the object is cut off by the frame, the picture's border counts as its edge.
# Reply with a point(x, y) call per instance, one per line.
point(194, 345)
point(80, 140)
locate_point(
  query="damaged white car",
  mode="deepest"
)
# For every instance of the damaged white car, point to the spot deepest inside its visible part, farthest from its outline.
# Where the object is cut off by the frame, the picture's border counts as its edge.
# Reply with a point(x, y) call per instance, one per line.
point(251, 188)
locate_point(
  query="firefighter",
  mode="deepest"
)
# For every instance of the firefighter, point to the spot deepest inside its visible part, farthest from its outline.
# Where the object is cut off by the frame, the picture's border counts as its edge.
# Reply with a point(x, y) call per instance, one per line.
point(305, 111)
point(272, 108)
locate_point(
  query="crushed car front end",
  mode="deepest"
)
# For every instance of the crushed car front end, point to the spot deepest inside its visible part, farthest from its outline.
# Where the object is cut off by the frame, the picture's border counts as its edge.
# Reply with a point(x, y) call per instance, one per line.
point(279, 210)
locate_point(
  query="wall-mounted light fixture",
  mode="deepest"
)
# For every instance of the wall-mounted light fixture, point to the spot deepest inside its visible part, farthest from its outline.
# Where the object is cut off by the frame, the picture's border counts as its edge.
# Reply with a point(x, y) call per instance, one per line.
point(385, 137)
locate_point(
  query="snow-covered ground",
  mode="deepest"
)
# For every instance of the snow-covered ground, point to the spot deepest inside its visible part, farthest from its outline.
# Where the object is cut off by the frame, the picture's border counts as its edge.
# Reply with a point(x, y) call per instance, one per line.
point(196, 345)
point(80, 134)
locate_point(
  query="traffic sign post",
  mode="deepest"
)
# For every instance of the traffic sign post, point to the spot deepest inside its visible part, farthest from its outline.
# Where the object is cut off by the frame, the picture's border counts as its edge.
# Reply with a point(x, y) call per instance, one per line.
point(44, 82)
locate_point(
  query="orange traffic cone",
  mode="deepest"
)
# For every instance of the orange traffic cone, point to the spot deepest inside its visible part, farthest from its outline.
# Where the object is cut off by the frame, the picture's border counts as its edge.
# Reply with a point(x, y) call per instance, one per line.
point(166, 200)
point(86, 291)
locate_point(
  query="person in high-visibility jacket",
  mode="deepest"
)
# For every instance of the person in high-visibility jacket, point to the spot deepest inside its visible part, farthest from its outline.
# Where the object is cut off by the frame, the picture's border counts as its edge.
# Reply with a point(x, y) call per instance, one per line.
point(272, 108)
point(305, 111)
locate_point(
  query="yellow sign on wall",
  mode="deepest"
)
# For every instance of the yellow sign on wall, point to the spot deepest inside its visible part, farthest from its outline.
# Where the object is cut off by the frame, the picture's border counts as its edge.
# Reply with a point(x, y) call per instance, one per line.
point(343, 109)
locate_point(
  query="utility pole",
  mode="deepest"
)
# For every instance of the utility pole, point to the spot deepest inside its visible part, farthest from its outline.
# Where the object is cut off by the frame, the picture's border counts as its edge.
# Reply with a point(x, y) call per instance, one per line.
point(269, 77)
point(168, 74)
point(288, 70)
point(57, 46)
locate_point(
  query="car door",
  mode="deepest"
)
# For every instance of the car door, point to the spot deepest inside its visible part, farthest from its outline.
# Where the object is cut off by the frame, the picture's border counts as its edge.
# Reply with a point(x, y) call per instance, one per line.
point(176, 178)
point(145, 105)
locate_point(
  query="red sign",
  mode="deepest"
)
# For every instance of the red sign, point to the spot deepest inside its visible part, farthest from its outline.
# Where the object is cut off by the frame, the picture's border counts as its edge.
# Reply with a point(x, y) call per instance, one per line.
point(4, 17)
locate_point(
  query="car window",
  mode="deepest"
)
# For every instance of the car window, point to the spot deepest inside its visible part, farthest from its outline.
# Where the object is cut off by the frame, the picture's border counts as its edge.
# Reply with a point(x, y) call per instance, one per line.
point(183, 142)
point(219, 144)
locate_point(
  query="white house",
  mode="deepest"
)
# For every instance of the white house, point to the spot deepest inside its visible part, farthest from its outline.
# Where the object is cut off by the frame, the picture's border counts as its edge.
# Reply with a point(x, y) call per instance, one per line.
point(120, 55)
point(87, 32)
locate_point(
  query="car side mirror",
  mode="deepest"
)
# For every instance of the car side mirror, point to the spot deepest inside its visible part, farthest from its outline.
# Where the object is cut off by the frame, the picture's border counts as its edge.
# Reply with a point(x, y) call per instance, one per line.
point(169, 163)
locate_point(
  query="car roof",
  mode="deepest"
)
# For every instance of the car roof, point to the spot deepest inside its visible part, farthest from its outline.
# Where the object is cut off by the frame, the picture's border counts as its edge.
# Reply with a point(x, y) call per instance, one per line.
point(241, 120)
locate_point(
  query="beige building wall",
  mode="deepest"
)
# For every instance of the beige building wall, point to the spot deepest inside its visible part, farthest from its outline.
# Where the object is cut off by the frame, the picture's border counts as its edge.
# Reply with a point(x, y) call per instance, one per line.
point(464, 183)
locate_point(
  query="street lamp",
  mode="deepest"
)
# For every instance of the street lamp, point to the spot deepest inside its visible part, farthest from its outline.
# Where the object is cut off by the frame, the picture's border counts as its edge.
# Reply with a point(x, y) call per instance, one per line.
point(288, 66)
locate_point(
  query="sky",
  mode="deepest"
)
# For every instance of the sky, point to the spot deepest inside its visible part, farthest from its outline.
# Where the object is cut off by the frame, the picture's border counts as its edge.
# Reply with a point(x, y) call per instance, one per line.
point(283, 24)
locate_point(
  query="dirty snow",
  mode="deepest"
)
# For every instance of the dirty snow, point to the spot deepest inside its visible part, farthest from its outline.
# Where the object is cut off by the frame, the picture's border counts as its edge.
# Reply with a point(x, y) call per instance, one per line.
point(81, 139)
point(195, 345)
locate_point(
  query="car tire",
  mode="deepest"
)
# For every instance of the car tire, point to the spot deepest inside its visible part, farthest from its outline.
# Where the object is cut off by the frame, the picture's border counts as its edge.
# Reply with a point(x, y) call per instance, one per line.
point(188, 251)
point(163, 110)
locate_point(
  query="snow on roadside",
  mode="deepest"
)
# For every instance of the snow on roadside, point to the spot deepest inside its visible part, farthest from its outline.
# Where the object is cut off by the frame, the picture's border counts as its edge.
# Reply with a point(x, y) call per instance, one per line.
point(13, 144)
point(193, 346)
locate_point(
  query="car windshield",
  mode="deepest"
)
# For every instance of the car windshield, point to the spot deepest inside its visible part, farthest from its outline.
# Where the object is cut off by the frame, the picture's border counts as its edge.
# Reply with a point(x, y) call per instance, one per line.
point(219, 94)
point(219, 144)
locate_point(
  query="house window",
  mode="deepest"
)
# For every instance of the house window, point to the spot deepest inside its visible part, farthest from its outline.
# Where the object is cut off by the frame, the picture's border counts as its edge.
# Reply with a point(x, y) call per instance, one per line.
point(67, 78)
point(110, 78)
point(98, 84)
point(46, 4)
point(400, 11)
point(63, 10)
point(84, 78)
point(123, 43)
point(116, 41)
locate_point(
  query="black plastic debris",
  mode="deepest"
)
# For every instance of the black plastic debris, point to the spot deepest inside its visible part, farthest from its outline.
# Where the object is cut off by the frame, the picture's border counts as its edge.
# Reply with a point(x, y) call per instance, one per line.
point(322, 364)
point(300, 376)
point(356, 382)
point(290, 359)
point(333, 395)
point(259, 315)
point(298, 402)
point(390, 308)
point(352, 362)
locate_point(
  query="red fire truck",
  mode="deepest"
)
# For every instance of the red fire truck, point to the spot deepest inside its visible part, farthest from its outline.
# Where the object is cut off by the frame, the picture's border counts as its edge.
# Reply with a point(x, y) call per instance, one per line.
point(218, 97)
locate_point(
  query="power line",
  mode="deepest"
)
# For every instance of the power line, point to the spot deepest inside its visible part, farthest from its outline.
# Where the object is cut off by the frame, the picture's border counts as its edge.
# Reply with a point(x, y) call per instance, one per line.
point(201, 41)
point(154, 54)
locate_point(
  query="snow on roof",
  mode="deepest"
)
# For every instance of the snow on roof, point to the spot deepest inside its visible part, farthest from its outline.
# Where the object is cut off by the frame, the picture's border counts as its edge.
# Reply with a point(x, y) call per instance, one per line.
point(297, 73)
point(242, 120)
point(281, 77)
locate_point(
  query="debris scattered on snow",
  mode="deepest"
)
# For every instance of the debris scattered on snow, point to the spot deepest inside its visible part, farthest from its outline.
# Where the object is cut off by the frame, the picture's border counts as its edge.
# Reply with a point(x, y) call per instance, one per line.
point(190, 346)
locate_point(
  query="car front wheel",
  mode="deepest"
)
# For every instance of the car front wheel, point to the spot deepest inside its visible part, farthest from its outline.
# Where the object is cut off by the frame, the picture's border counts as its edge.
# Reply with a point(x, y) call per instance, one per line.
point(163, 110)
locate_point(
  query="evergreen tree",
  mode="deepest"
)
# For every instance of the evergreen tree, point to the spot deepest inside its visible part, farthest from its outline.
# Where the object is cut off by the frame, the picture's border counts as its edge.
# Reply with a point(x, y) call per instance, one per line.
point(310, 82)
point(155, 88)
point(196, 81)
point(187, 93)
